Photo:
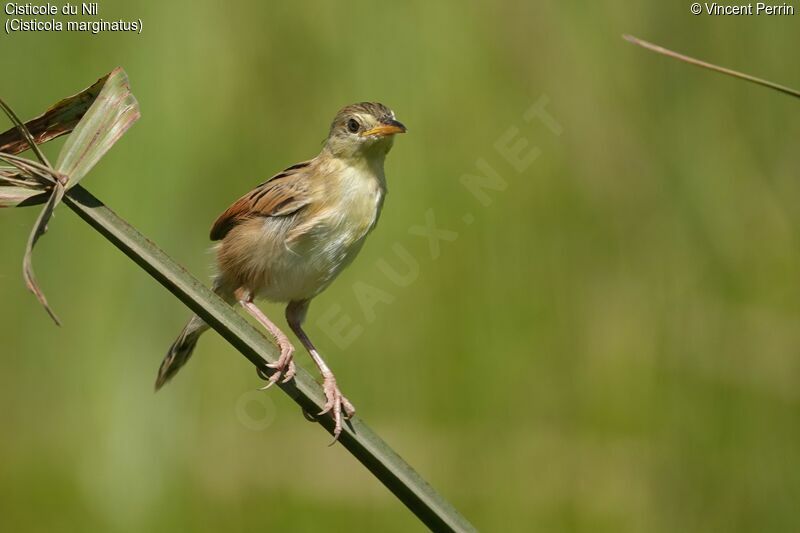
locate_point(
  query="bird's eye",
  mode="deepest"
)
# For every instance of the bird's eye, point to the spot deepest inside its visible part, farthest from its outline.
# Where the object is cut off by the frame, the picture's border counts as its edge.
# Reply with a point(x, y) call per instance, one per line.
point(352, 125)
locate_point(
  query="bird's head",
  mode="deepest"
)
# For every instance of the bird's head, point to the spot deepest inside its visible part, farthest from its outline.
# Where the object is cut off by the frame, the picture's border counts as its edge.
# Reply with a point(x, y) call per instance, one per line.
point(364, 130)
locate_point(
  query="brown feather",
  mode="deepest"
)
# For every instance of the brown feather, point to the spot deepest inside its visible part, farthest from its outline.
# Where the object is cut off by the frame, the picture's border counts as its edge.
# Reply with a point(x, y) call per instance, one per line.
point(281, 195)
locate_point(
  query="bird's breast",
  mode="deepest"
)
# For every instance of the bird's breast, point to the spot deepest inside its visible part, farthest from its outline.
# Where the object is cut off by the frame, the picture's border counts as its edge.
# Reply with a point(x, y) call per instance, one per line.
point(346, 213)
point(328, 234)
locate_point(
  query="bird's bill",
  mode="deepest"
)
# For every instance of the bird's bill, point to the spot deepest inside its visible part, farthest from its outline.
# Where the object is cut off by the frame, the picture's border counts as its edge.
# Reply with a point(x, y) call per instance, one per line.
point(389, 128)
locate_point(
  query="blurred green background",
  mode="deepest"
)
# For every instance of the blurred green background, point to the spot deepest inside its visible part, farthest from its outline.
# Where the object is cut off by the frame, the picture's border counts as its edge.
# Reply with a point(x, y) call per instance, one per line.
point(612, 345)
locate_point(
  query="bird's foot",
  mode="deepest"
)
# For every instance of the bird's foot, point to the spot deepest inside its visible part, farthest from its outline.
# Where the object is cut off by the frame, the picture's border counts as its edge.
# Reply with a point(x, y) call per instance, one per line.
point(284, 366)
point(336, 404)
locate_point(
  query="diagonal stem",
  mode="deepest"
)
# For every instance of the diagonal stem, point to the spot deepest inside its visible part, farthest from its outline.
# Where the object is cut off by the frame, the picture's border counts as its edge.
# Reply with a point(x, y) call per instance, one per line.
point(25, 134)
point(366, 446)
point(710, 66)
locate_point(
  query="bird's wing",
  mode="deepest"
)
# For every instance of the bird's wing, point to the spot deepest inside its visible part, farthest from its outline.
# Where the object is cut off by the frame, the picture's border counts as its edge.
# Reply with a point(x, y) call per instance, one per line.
point(281, 195)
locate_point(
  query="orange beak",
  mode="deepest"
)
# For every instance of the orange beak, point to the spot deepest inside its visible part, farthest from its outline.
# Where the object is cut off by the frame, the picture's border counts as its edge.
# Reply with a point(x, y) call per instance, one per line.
point(389, 128)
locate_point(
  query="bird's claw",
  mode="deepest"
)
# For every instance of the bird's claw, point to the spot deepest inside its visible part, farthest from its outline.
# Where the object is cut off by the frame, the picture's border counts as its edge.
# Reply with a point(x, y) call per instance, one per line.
point(337, 405)
point(284, 366)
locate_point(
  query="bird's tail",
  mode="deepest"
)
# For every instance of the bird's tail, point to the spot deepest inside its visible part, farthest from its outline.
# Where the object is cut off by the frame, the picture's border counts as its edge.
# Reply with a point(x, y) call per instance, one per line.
point(181, 350)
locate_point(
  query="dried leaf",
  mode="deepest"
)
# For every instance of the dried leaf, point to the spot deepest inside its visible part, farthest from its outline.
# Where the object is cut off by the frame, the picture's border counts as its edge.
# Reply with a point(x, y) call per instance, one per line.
point(60, 119)
point(31, 169)
point(23, 131)
point(97, 116)
point(39, 227)
point(114, 111)
point(16, 177)
point(18, 196)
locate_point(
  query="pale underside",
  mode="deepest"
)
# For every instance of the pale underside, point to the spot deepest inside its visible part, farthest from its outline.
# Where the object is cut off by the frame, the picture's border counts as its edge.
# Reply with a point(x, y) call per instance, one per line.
point(294, 255)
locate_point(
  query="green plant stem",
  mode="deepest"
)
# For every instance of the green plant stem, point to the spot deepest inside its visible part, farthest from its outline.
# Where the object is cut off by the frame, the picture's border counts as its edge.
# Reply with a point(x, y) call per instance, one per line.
point(357, 438)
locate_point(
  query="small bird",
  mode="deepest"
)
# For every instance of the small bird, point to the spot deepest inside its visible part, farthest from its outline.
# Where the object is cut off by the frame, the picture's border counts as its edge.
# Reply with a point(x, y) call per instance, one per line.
point(288, 239)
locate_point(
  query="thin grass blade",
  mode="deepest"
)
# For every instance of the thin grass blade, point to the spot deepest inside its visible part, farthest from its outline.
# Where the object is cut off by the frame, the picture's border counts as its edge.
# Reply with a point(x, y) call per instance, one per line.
point(23, 131)
point(39, 228)
point(31, 169)
point(711, 66)
point(14, 180)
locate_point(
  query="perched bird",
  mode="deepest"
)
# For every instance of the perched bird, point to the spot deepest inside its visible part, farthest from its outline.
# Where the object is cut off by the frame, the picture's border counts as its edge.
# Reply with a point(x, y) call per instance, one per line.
point(288, 239)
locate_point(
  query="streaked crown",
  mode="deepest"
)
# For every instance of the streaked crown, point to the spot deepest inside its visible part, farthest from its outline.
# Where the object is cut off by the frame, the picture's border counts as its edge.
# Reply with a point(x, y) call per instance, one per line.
point(364, 128)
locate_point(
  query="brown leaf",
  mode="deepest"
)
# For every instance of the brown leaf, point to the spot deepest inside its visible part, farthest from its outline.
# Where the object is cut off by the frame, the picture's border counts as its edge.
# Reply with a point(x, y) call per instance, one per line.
point(59, 120)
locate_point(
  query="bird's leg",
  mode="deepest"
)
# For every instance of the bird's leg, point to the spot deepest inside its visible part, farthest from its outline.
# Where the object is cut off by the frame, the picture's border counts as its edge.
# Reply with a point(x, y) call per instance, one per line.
point(336, 402)
point(285, 363)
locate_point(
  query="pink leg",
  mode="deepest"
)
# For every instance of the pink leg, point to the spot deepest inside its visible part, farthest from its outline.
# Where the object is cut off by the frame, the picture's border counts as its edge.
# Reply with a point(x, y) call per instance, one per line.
point(336, 402)
point(285, 363)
